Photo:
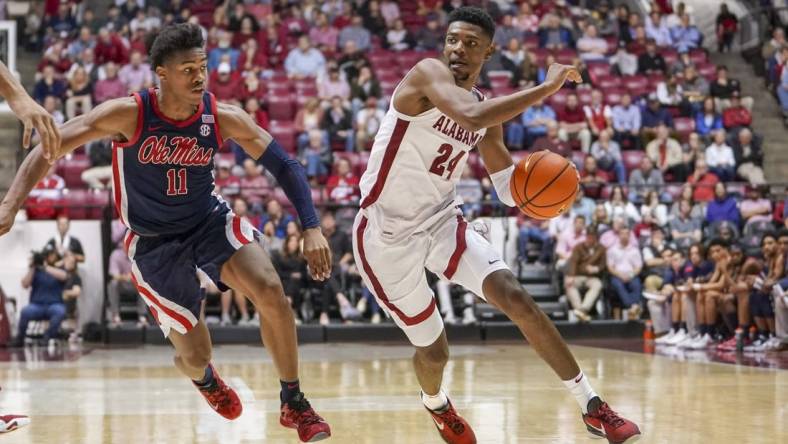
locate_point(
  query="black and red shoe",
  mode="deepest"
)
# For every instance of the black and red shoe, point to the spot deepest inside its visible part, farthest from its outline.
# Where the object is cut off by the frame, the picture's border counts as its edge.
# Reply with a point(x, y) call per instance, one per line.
point(298, 414)
point(221, 397)
point(452, 427)
point(9, 423)
point(602, 422)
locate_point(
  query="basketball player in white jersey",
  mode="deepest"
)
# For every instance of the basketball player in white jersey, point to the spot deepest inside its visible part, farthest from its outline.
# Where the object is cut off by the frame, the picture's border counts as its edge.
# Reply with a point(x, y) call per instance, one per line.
point(409, 218)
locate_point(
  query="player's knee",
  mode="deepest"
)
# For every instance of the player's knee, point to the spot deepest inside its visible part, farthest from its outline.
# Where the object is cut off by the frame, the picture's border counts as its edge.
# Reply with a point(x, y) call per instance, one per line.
point(266, 289)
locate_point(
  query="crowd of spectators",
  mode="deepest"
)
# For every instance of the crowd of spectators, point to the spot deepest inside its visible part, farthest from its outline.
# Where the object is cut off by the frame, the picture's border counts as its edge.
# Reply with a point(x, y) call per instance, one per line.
point(652, 111)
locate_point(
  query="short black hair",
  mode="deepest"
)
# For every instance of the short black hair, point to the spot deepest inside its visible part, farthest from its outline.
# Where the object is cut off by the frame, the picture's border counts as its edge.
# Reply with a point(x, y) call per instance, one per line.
point(172, 39)
point(475, 16)
point(770, 234)
point(718, 242)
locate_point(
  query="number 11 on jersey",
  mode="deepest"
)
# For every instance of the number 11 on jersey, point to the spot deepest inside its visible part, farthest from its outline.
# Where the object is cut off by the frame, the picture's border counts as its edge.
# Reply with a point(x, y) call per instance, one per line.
point(176, 182)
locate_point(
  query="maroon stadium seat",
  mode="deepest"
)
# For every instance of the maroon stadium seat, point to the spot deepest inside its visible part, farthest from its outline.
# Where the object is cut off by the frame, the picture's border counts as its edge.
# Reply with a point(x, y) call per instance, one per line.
point(605, 82)
point(284, 132)
point(72, 168)
point(558, 100)
point(281, 107)
point(632, 159)
point(684, 126)
point(598, 70)
point(584, 95)
point(698, 56)
point(531, 42)
point(637, 85)
point(613, 95)
point(670, 55)
point(707, 70)
point(98, 199)
point(76, 203)
point(566, 56)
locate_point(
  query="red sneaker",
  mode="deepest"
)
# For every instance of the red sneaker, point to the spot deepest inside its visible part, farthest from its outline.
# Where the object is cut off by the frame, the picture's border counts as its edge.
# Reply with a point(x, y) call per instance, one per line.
point(12, 422)
point(602, 421)
point(729, 345)
point(451, 426)
point(221, 397)
point(298, 414)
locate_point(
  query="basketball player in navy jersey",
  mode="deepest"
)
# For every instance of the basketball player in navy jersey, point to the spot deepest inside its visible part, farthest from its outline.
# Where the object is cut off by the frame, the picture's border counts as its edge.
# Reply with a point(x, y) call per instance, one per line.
point(32, 116)
point(164, 144)
point(409, 215)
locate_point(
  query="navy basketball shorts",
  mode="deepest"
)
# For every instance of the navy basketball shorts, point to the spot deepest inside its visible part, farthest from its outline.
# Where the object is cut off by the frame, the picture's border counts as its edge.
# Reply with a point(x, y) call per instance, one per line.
point(164, 268)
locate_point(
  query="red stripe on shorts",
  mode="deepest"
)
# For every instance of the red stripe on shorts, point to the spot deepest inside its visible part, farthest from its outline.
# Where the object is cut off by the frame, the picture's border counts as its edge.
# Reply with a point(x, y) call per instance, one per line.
point(388, 160)
point(454, 261)
point(116, 182)
point(237, 231)
point(170, 312)
point(129, 239)
point(408, 320)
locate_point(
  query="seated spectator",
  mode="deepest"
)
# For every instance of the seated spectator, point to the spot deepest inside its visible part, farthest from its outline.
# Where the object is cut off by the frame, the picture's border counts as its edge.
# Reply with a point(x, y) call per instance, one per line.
point(659, 288)
point(430, 37)
point(644, 180)
point(591, 46)
point(364, 86)
point(736, 115)
point(584, 270)
point(316, 156)
point(276, 216)
point(657, 28)
point(323, 35)
point(519, 62)
point(356, 33)
point(608, 156)
point(110, 87)
point(646, 227)
point(72, 291)
point(653, 206)
point(695, 88)
point(534, 125)
point(653, 116)
point(252, 107)
point(723, 208)
point(625, 119)
point(342, 250)
point(64, 243)
point(368, 122)
point(304, 60)
point(505, 32)
point(308, 118)
point(255, 188)
point(692, 150)
point(707, 120)
point(41, 200)
point(597, 114)
point(352, 61)
point(553, 35)
point(49, 85)
point(722, 89)
point(619, 206)
point(99, 174)
point(398, 38)
point(666, 154)
point(332, 85)
point(538, 232)
point(755, 207)
point(623, 62)
point(292, 270)
point(52, 106)
point(226, 86)
point(773, 46)
point(551, 142)
point(687, 192)
point(703, 181)
point(727, 25)
point(252, 60)
point(136, 75)
point(670, 93)
point(639, 40)
point(87, 61)
point(222, 50)
point(248, 29)
point(624, 265)
point(241, 209)
point(686, 36)
point(685, 229)
point(79, 93)
point(719, 158)
point(390, 11)
point(572, 123)
point(526, 20)
point(651, 61)
point(338, 123)
point(342, 186)
point(782, 87)
point(110, 48)
point(227, 184)
point(583, 206)
point(121, 285)
point(568, 239)
point(45, 281)
point(749, 157)
point(592, 178)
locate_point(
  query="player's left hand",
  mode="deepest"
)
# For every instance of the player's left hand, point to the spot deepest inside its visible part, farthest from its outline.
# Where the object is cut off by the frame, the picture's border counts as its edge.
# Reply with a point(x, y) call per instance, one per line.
point(32, 115)
point(317, 254)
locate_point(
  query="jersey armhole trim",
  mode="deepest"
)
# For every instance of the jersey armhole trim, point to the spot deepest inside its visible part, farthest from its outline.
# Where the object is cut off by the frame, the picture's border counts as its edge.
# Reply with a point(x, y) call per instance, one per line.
point(214, 111)
point(138, 130)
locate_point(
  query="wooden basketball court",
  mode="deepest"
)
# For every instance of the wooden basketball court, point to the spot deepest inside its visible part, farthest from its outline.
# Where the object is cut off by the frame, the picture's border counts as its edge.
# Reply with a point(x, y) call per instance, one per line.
point(369, 395)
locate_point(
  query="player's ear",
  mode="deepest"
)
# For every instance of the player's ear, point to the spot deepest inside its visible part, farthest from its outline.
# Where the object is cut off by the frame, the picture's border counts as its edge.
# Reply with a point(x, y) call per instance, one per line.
point(489, 52)
point(161, 72)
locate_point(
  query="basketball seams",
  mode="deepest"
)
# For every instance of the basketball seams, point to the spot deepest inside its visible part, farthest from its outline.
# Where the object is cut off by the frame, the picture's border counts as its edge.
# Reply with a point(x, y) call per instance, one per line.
point(552, 181)
point(557, 182)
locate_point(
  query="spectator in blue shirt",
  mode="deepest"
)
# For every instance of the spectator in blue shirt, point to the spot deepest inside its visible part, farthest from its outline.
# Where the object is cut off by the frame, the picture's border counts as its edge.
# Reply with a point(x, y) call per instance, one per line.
point(304, 61)
point(534, 125)
point(49, 86)
point(280, 219)
point(654, 115)
point(223, 48)
point(723, 207)
point(685, 36)
point(45, 282)
point(555, 36)
point(707, 119)
point(626, 123)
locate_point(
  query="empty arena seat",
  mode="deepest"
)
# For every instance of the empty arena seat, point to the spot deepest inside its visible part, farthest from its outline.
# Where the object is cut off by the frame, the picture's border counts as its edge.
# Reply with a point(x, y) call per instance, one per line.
point(684, 126)
point(558, 100)
point(698, 56)
point(72, 168)
point(604, 82)
point(584, 95)
point(531, 42)
point(673, 190)
point(284, 132)
point(98, 200)
point(637, 85)
point(76, 203)
point(670, 55)
point(707, 71)
point(566, 56)
point(597, 70)
point(632, 159)
point(500, 79)
point(613, 95)
point(281, 107)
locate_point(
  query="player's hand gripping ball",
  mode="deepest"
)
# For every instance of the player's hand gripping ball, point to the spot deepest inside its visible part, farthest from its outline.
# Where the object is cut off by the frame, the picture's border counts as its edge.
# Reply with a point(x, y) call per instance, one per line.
point(544, 184)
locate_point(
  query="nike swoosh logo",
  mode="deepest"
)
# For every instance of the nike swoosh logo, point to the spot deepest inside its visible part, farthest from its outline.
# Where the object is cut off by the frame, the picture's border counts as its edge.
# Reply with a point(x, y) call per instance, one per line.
point(439, 424)
point(213, 406)
point(493, 261)
point(155, 128)
point(599, 429)
point(579, 378)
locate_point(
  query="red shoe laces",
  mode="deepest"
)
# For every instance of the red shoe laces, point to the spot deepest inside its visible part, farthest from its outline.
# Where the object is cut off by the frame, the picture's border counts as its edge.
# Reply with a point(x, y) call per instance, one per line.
point(304, 412)
point(453, 421)
point(219, 396)
point(607, 415)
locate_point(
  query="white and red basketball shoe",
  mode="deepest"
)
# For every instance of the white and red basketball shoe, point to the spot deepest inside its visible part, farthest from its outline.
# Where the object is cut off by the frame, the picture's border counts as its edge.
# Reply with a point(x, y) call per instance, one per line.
point(601, 421)
point(452, 427)
point(10, 423)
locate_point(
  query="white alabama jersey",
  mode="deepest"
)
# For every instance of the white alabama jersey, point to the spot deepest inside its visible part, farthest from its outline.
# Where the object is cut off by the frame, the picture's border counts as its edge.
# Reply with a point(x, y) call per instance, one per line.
point(413, 168)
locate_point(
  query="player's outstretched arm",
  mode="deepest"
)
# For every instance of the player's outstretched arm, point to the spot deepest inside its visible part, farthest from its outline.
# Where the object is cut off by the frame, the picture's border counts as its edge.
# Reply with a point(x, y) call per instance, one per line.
point(236, 124)
point(498, 163)
point(435, 81)
point(111, 118)
point(30, 113)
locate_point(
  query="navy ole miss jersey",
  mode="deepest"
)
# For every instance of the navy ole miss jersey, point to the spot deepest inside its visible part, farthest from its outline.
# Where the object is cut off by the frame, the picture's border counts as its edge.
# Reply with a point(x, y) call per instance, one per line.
point(163, 175)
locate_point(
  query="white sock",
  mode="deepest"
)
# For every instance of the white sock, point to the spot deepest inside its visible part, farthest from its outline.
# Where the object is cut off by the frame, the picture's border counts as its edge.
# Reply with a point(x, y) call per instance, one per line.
point(435, 402)
point(581, 389)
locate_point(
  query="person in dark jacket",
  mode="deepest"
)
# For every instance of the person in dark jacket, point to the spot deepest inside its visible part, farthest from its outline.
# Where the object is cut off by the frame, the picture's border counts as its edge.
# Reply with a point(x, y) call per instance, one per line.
point(291, 267)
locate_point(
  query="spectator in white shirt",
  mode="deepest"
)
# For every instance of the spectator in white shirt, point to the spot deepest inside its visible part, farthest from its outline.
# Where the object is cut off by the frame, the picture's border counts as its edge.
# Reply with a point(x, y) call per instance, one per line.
point(625, 62)
point(591, 46)
point(368, 122)
point(657, 29)
point(719, 158)
point(626, 122)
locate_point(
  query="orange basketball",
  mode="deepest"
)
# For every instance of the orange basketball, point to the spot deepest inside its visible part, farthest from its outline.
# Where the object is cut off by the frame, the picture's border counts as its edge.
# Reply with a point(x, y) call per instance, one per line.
point(544, 184)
